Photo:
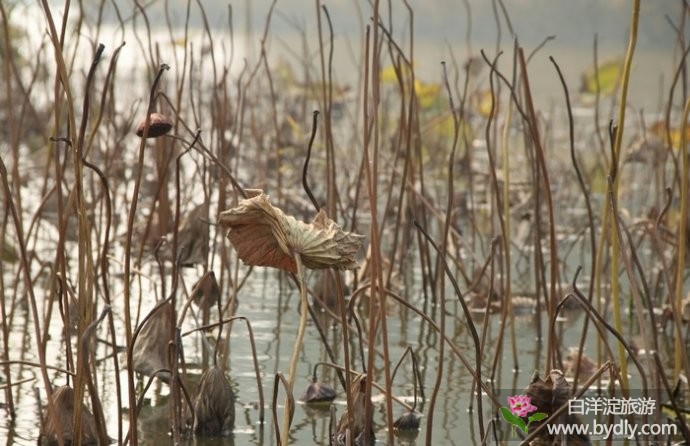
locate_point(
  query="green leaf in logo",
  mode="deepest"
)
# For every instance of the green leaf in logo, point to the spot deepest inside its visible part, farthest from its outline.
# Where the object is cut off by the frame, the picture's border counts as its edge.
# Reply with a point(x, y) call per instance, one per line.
point(513, 419)
point(537, 416)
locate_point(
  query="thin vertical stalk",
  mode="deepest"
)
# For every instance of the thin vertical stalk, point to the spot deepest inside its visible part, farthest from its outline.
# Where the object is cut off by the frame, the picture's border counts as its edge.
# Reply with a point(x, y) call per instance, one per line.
point(541, 166)
point(29, 286)
point(507, 307)
point(440, 280)
point(346, 336)
point(327, 104)
point(85, 262)
point(597, 99)
point(281, 435)
point(128, 259)
point(682, 240)
point(96, 407)
point(505, 236)
point(377, 303)
point(10, 123)
point(615, 285)
point(639, 307)
point(473, 332)
point(85, 299)
point(7, 56)
point(590, 215)
point(296, 350)
point(106, 290)
point(307, 158)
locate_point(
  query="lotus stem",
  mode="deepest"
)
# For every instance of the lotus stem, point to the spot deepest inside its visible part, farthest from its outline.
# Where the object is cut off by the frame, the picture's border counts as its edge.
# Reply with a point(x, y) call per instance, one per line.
point(284, 432)
point(614, 166)
point(682, 225)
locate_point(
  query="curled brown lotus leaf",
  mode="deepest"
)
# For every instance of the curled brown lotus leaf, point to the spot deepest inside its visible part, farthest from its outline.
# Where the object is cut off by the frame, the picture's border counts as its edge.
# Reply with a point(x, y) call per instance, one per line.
point(150, 352)
point(58, 423)
point(193, 237)
point(264, 236)
point(318, 393)
point(206, 291)
point(214, 406)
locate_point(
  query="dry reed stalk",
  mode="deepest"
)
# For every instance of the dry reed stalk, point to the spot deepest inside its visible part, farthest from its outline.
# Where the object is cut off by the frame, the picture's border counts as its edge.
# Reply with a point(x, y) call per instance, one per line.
point(281, 437)
point(129, 339)
point(377, 302)
point(429, 320)
point(104, 260)
point(613, 172)
point(542, 167)
point(76, 143)
point(680, 355)
point(504, 223)
point(9, 398)
point(588, 204)
point(51, 410)
point(506, 250)
point(473, 331)
point(327, 105)
point(601, 325)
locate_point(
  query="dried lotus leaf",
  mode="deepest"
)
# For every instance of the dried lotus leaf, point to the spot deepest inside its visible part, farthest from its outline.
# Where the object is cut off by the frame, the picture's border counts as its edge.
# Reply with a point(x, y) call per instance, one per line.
point(150, 352)
point(206, 291)
point(318, 393)
point(256, 245)
point(264, 236)
point(214, 406)
point(58, 423)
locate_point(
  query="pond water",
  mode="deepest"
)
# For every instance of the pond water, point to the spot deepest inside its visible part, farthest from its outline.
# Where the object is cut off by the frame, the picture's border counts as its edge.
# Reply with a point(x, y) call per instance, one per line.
point(269, 299)
point(273, 314)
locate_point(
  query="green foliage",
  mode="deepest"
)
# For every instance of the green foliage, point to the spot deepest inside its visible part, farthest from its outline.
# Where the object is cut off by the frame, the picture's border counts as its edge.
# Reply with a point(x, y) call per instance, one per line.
point(513, 419)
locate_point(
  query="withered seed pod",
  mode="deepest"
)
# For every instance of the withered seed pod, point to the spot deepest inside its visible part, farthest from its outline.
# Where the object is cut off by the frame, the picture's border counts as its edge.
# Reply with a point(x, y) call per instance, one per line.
point(214, 406)
point(318, 393)
point(407, 425)
point(160, 125)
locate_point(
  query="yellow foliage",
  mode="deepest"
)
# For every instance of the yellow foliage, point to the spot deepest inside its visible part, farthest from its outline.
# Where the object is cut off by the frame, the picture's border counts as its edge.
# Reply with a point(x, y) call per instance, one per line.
point(389, 76)
point(427, 94)
point(658, 129)
point(609, 77)
point(481, 102)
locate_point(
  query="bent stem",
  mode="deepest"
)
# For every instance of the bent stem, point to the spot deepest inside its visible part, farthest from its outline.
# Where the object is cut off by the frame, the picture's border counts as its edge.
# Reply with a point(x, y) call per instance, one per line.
point(296, 350)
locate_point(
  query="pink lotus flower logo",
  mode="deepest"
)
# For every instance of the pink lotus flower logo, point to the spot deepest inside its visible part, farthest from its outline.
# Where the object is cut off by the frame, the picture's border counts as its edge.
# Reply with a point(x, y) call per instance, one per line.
point(519, 407)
